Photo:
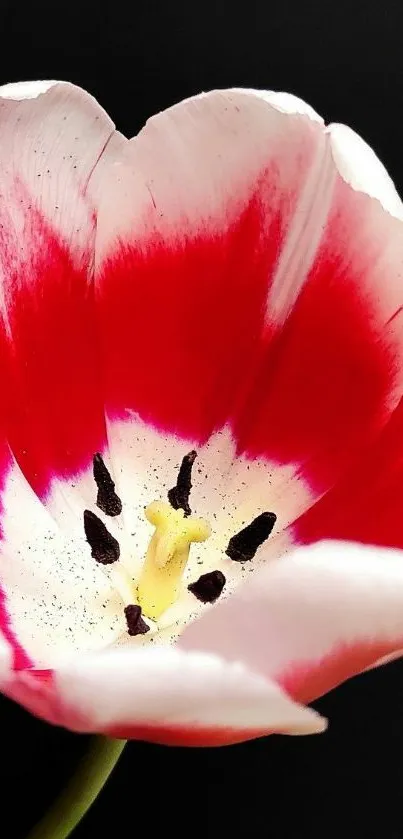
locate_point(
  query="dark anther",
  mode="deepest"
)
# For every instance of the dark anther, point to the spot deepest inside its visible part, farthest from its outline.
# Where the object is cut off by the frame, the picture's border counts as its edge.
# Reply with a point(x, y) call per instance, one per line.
point(135, 623)
point(208, 587)
point(104, 547)
point(107, 500)
point(244, 544)
point(178, 496)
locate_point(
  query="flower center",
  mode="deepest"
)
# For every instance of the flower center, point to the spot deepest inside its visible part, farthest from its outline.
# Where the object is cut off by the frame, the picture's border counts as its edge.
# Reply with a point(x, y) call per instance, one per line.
point(167, 556)
point(159, 584)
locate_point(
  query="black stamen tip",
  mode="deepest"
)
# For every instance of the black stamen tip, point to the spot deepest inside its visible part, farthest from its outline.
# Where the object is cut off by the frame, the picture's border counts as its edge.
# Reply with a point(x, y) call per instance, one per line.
point(107, 500)
point(178, 496)
point(104, 547)
point(244, 544)
point(208, 587)
point(135, 623)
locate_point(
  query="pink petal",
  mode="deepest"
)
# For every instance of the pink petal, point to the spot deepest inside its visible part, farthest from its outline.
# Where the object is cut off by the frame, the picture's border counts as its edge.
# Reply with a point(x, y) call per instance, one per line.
point(164, 695)
point(311, 619)
point(272, 275)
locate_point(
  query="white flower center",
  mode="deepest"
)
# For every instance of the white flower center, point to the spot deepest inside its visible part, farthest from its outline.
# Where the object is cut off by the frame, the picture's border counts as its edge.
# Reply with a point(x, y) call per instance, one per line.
point(158, 584)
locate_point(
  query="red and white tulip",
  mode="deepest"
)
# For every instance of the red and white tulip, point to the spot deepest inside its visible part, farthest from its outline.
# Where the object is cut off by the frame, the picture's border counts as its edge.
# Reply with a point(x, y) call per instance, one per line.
point(208, 316)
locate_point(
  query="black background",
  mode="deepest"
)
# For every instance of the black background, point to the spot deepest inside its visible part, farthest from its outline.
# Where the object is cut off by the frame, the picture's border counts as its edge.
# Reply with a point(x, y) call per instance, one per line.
point(346, 59)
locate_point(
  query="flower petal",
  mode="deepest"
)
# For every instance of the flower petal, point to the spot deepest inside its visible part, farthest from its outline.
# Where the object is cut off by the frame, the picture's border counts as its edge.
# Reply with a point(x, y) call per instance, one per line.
point(164, 695)
point(53, 138)
point(191, 225)
point(190, 228)
point(336, 375)
point(270, 262)
point(312, 619)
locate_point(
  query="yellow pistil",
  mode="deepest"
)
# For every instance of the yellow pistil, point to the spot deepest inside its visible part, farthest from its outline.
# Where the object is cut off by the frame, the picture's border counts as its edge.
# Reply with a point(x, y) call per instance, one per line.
point(167, 555)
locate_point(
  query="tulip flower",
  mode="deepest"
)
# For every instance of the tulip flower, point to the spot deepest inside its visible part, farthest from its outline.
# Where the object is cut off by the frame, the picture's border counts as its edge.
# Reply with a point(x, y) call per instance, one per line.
point(201, 353)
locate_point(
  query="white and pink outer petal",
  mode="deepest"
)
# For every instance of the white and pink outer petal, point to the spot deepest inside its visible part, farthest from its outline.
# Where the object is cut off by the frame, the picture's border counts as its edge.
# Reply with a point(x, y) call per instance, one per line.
point(298, 628)
point(160, 694)
point(311, 620)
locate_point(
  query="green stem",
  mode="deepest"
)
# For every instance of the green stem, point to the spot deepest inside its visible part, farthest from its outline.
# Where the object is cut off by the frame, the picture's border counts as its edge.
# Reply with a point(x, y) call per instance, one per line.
point(81, 791)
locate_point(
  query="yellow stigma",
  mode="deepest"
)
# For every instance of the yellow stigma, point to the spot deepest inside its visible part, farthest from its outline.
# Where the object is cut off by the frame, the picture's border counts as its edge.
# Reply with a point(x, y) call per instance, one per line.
point(167, 555)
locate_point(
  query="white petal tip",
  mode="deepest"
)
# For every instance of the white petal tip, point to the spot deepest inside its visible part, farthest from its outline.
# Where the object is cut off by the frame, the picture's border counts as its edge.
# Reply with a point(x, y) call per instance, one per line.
point(359, 166)
point(25, 90)
point(290, 104)
point(287, 103)
point(316, 725)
